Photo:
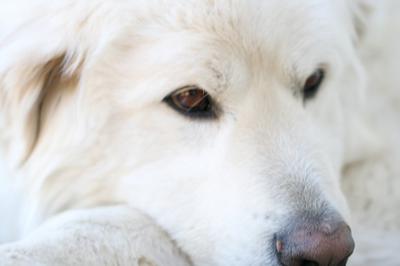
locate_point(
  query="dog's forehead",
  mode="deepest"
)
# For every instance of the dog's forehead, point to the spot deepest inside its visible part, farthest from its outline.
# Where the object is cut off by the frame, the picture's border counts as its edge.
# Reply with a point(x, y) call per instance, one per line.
point(273, 30)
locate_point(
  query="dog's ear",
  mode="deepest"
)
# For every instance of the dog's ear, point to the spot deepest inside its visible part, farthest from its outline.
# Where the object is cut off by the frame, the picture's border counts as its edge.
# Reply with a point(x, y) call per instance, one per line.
point(361, 11)
point(362, 141)
point(24, 87)
point(35, 58)
point(51, 49)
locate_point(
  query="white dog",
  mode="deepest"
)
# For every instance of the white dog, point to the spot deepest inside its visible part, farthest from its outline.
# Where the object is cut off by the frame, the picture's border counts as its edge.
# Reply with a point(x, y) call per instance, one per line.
point(154, 132)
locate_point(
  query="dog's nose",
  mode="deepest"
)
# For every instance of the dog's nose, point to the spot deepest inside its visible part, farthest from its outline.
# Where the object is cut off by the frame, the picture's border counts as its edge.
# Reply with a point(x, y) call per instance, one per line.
point(315, 244)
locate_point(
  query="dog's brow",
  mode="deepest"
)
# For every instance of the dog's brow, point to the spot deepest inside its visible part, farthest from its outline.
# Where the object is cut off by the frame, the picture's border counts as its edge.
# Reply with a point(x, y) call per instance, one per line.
point(221, 81)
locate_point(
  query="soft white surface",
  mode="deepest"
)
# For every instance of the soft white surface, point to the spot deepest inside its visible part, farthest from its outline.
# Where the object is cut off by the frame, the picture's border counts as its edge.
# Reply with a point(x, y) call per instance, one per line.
point(373, 185)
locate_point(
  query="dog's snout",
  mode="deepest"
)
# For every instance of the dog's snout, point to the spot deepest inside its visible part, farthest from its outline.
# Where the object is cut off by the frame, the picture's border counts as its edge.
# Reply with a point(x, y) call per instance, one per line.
point(315, 244)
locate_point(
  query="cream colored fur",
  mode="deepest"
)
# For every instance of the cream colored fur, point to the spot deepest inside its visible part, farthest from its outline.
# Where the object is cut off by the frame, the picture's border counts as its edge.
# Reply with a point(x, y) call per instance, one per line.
point(97, 170)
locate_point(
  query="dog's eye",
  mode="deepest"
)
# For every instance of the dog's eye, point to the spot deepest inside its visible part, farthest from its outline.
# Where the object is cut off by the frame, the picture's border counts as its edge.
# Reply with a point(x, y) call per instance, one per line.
point(312, 84)
point(191, 101)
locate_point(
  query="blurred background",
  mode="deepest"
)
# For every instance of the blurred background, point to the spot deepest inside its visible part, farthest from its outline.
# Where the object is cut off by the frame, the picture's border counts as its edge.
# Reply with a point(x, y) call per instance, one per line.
point(373, 185)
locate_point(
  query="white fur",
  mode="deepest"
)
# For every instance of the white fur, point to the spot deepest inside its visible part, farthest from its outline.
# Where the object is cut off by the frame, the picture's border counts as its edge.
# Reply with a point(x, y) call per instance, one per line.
point(83, 126)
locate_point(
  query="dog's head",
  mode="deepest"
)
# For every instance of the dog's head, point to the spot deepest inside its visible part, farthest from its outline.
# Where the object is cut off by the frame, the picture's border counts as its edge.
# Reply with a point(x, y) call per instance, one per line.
point(228, 122)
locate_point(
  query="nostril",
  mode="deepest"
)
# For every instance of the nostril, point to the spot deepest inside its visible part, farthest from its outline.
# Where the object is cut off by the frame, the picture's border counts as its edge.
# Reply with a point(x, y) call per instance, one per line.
point(344, 262)
point(309, 263)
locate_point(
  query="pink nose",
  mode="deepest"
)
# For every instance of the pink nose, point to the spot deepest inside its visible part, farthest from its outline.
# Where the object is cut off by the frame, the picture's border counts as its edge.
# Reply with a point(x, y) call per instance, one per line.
point(322, 244)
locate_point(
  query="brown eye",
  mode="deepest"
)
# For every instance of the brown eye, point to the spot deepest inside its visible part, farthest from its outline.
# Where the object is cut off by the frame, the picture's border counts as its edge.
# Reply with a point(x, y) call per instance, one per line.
point(312, 84)
point(191, 101)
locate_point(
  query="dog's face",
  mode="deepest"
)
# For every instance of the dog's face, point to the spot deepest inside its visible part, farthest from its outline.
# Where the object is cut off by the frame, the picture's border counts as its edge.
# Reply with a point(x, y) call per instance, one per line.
point(225, 121)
